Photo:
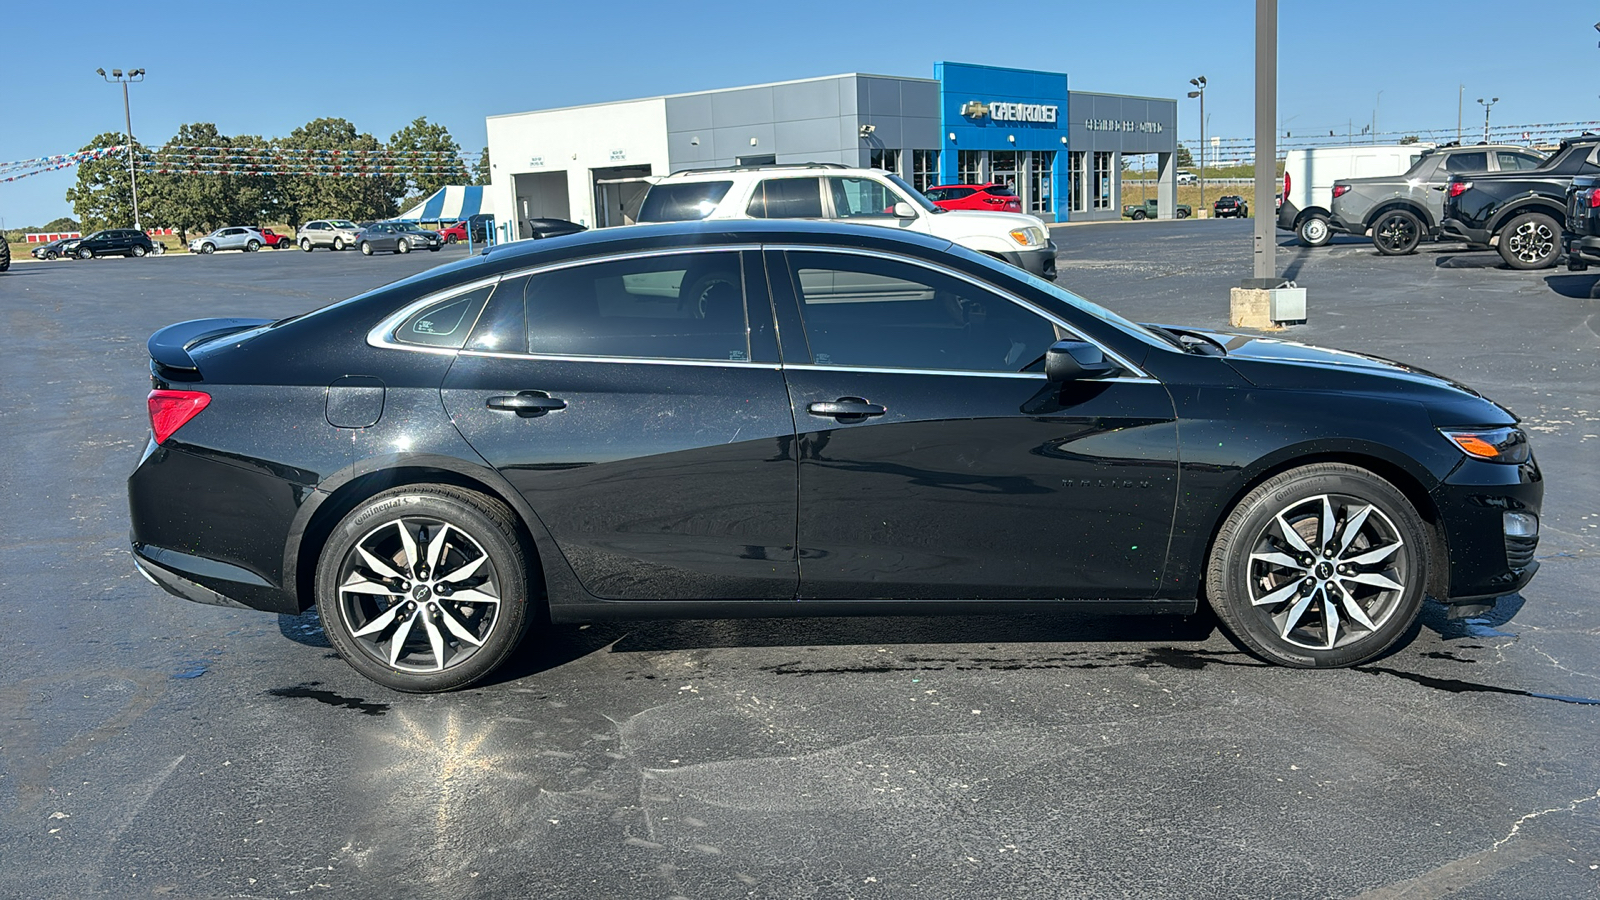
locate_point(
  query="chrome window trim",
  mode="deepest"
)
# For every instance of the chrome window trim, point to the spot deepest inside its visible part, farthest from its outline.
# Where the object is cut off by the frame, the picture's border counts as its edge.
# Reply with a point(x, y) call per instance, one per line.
point(382, 334)
point(623, 360)
point(968, 373)
point(1139, 373)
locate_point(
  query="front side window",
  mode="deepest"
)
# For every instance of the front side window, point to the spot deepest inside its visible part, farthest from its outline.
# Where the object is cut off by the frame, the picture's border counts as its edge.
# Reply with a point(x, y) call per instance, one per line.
point(446, 323)
point(861, 198)
point(1467, 162)
point(873, 312)
point(686, 306)
point(787, 198)
point(682, 202)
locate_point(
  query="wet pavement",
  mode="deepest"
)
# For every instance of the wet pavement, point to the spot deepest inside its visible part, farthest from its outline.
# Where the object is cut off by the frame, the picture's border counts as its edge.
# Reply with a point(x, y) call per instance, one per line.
point(150, 746)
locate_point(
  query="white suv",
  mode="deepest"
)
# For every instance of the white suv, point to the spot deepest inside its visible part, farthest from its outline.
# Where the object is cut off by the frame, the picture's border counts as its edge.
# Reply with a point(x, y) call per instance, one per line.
point(861, 196)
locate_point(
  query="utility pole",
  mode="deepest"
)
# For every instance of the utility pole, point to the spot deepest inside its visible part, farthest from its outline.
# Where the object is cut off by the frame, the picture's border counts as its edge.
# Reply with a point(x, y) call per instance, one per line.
point(1461, 93)
point(1487, 105)
point(1376, 103)
point(1266, 237)
point(116, 77)
point(1200, 91)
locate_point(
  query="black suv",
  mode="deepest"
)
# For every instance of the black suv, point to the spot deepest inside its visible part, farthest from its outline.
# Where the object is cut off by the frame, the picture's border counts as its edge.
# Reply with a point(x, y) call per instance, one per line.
point(1522, 209)
point(1581, 237)
point(110, 242)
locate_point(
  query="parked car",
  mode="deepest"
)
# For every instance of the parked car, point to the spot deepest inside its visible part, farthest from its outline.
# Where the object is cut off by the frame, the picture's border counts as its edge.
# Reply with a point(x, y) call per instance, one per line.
point(396, 237)
point(993, 197)
point(478, 224)
point(51, 250)
point(1580, 234)
point(1400, 211)
point(1231, 206)
point(232, 237)
point(110, 242)
point(832, 191)
point(1151, 208)
point(666, 420)
point(1187, 177)
point(1308, 177)
point(1520, 213)
point(275, 241)
point(335, 234)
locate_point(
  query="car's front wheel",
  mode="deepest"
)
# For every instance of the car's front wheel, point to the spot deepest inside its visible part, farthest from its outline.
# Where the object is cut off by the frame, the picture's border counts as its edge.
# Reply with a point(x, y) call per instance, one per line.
point(305, 244)
point(1313, 231)
point(208, 248)
point(338, 243)
point(424, 588)
point(138, 251)
point(1530, 241)
point(402, 246)
point(1318, 567)
point(366, 248)
point(85, 253)
point(1397, 233)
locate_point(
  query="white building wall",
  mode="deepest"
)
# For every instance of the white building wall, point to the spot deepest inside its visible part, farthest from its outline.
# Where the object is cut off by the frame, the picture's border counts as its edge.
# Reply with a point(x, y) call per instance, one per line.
point(575, 140)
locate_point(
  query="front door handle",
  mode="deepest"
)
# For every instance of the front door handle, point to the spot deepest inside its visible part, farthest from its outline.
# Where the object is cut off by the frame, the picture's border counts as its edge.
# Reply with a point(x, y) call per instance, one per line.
point(846, 409)
point(526, 403)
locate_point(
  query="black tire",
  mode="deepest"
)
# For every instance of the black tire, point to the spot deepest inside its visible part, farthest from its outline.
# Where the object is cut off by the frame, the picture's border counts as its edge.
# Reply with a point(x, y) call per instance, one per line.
point(1531, 240)
point(468, 526)
point(402, 246)
point(49, 254)
point(85, 253)
point(338, 243)
point(451, 239)
point(1277, 539)
point(1397, 232)
point(252, 246)
point(1313, 231)
point(1182, 213)
point(305, 244)
point(208, 249)
point(366, 249)
point(137, 251)
point(1138, 214)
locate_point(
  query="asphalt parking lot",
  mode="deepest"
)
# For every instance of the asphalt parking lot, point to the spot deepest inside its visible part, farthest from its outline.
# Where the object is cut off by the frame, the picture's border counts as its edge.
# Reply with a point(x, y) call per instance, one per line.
point(150, 746)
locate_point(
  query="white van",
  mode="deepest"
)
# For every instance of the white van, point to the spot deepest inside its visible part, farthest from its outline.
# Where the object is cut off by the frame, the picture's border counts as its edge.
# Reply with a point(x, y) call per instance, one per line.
point(1308, 177)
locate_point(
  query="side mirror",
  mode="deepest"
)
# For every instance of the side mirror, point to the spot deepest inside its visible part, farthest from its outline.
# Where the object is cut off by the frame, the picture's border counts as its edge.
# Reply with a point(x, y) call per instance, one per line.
point(1076, 361)
point(903, 210)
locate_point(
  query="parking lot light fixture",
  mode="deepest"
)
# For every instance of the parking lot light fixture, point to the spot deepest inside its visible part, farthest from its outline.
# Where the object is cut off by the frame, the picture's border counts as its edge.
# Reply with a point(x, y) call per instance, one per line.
point(1199, 91)
point(116, 76)
point(1487, 105)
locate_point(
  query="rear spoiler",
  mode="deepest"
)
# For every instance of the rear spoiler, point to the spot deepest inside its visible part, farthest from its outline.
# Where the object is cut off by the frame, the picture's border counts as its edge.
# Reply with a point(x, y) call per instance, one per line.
point(170, 346)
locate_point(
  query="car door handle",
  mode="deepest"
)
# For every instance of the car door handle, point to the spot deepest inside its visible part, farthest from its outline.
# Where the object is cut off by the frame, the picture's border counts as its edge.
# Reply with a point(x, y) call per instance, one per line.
point(846, 408)
point(526, 403)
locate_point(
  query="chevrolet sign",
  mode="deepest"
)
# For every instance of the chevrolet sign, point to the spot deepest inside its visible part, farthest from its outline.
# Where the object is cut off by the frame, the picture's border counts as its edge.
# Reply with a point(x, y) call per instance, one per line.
point(1010, 112)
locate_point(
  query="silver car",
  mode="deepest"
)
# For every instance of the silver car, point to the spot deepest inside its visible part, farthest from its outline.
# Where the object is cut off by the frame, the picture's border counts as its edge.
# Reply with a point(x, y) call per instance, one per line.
point(335, 234)
point(233, 237)
point(397, 237)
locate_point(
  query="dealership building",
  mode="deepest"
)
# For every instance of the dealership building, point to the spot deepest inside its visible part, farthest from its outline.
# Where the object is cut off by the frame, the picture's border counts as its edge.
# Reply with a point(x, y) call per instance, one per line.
point(1061, 150)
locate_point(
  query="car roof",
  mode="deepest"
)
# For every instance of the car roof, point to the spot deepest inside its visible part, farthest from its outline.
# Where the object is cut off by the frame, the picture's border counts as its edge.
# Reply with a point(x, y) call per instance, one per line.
point(710, 233)
point(976, 187)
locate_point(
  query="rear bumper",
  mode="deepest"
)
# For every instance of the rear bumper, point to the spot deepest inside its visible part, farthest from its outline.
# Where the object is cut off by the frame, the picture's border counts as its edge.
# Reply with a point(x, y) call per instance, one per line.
point(1582, 246)
point(1344, 226)
point(1457, 230)
point(1041, 262)
point(1287, 214)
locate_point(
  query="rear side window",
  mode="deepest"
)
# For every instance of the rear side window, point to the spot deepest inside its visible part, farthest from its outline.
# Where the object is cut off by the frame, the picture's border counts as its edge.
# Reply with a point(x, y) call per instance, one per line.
point(682, 306)
point(1512, 161)
point(1002, 190)
point(446, 323)
point(682, 202)
point(1467, 162)
point(787, 198)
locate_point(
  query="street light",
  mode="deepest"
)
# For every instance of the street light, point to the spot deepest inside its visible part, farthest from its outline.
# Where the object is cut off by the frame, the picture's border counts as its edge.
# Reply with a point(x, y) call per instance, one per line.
point(1199, 91)
point(116, 77)
point(1487, 105)
point(1375, 105)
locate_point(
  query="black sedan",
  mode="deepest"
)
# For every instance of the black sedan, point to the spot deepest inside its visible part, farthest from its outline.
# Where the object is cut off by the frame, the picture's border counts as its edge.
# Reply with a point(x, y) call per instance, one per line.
point(51, 250)
point(790, 418)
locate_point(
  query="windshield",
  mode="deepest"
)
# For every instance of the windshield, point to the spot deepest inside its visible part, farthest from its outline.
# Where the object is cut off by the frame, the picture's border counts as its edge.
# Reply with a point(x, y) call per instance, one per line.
point(409, 226)
point(342, 223)
point(915, 195)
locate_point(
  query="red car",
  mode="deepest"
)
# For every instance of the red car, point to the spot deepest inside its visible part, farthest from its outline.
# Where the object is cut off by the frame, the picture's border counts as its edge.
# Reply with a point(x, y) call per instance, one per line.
point(992, 197)
point(277, 241)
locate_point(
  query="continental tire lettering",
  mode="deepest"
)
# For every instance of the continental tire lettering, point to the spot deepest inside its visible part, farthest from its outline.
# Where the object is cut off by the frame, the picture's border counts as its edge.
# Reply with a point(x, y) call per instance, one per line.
point(381, 508)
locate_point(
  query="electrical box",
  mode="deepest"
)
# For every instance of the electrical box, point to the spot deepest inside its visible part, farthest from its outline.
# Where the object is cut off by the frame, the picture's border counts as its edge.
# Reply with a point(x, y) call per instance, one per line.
point(1287, 306)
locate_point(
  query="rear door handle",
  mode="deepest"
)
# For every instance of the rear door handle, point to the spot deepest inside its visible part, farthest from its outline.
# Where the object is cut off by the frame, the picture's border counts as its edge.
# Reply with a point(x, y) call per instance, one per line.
point(526, 403)
point(846, 409)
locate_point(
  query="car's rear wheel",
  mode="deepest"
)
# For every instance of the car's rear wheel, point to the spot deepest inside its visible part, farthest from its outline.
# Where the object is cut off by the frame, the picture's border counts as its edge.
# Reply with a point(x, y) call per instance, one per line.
point(1138, 214)
point(138, 250)
point(1319, 567)
point(366, 248)
point(402, 246)
point(252, 246)
point(85, 253)
point(1313, 231)
point(1397, 232)
point(451, 239)
point(424, 588)
point(1530, 241)
point(338, 243)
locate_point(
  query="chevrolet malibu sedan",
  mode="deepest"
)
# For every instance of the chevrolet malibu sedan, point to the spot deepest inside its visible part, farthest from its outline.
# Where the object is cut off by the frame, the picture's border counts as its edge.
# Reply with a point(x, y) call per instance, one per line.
point(787, 418)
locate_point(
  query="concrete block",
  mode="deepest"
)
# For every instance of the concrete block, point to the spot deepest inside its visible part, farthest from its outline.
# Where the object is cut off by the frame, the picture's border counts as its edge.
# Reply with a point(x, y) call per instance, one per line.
point(1250, 308)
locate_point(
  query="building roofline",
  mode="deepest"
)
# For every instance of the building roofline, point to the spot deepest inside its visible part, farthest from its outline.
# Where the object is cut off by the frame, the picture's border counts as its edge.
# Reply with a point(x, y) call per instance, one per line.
point(722, 90)
point(1125, 96)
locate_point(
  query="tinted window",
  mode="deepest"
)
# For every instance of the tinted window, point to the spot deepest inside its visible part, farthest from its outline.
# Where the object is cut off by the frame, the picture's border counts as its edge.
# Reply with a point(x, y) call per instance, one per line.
point(683, 306)
point(682, 202)
point(1467, 162)
point(1002, 190)
point(1510, 160)
point(786, 198)
point(882, 313)
point(446, 323)
point(861, 198)
point(947, 193)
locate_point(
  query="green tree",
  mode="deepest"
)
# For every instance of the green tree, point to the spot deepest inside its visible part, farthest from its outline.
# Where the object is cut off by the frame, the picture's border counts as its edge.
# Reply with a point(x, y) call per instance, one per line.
point(482, 173)
point(428, 155)
point(212, 188)
point(1185, 158)
point(103, 194)
point(341, 186)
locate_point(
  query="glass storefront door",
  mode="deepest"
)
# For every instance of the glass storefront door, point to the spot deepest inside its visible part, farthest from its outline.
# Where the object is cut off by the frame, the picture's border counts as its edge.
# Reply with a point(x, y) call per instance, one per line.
point(1041, 182)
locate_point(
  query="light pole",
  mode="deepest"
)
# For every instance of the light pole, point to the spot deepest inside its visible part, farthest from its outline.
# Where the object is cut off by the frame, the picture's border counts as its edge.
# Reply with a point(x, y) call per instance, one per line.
point(1199, 83)
point(116, 77)
point(1461, 93)
point(1376, 104)
point(1487, 105)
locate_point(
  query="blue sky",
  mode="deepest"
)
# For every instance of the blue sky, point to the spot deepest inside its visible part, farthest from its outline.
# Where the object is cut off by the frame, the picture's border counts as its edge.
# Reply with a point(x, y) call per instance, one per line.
point(257, 72)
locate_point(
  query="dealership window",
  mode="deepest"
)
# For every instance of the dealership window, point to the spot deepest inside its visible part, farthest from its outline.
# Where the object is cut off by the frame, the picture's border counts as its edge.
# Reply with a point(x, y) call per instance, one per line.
point(1041, 182)
point(887, 160)
point(1077, 196)
point(1102, 179)
point(924, 169)
point(1004, 167)
point(969, 164)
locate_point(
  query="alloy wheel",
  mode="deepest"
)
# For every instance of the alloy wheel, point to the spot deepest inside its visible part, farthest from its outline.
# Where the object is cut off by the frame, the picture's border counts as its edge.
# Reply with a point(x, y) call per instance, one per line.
point(419, 595)
point(1398, 234)
point(1532, 241)
point(1327, 571)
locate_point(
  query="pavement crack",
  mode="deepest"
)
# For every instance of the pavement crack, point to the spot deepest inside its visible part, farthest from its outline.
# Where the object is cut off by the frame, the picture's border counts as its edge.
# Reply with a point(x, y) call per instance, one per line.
point(1517, 825)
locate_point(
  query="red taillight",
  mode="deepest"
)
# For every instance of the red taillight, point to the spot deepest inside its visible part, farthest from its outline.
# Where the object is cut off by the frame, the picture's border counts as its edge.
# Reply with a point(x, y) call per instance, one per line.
point(1286, 185)
point(1594, 199)
point(171, 410)
point(1457, 188)
point(1339, 190)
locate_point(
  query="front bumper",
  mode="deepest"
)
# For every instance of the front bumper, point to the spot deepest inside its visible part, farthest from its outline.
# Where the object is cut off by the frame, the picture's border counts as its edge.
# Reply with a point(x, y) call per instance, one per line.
point(1483, 561)
point(1040, 261)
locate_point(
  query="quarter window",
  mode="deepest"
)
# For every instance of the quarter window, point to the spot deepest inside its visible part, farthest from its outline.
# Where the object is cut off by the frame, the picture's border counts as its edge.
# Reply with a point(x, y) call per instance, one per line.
point(682, 202)
point(446, 323)
point(873, 312)
point(681, 306)
point(787, 198)
point(1512, 161)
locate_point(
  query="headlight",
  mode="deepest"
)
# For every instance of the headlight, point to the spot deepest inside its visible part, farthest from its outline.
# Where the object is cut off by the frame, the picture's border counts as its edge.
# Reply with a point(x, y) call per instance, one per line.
point(1502, 445)
point(1028, 237)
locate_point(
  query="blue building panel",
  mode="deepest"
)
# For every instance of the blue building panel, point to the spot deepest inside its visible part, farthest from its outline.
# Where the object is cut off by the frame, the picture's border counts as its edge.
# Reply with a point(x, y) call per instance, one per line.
point(992, 108)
